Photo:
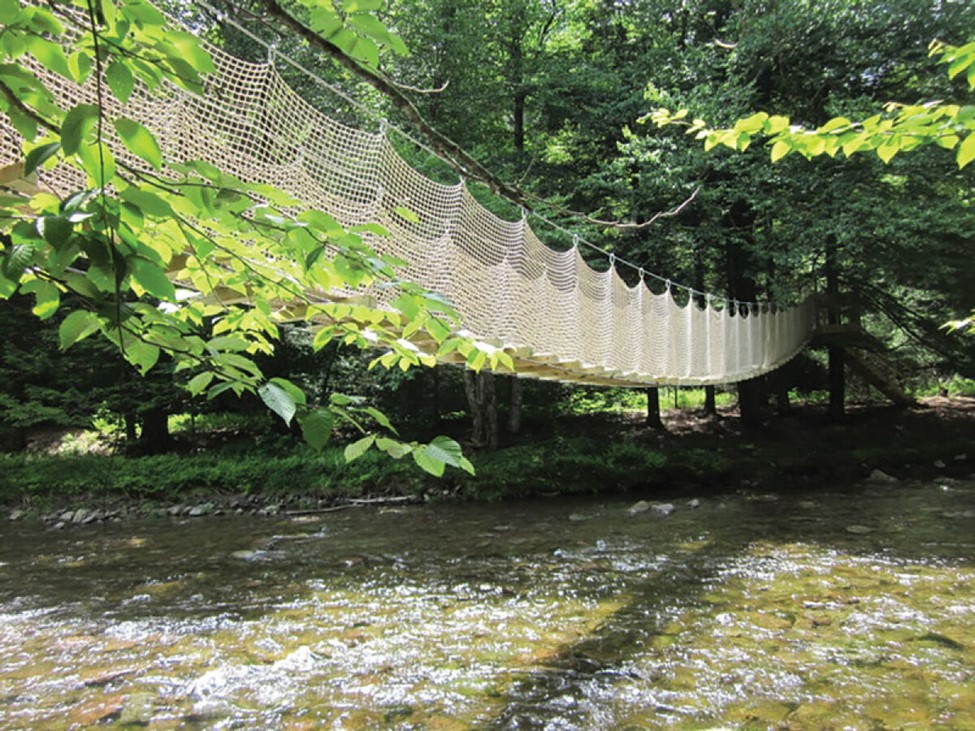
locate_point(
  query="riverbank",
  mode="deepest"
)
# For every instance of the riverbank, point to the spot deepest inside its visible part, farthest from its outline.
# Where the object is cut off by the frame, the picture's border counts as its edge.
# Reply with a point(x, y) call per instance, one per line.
point(580, 455)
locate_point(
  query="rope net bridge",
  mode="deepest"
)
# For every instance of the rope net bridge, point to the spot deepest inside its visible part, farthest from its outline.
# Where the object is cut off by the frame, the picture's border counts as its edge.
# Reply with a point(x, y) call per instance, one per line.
point(557, 317)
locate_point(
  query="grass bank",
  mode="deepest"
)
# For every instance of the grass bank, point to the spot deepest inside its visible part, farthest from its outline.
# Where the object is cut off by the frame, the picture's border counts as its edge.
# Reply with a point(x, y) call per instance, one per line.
point(578, 455)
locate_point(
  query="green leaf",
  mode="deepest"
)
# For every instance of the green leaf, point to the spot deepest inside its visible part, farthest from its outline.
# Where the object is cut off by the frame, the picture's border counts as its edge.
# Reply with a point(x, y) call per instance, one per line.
point(77, 122)
point(77, 326)
point(198, 383)
point(143, 13)
point(780, 149)
point(296, 394)
point(23, 123)
point(362, 6)
point(9, 11)
point(51, 56)
point(149, 203)
point(190, 51)
point(15, 260)
point(324, 20)
point(407, 214)
point(47, 298)
point(775, 124)
point(427, 462)
point(120, 80)
point(55, 230)
point(316, 428)
point(98, 162)
point(7, 286)
point(152, 279)
point(80, 64)
point(380, 418)
point(141, 354)
point(751, 125)
point(446, 450)
point(341, 399)
point(357, 449)
point(279, 401)
point(966, 151)
point(833, 125)
point(887, 151)
point(39, 155)
point(139, 141)
point(393, 447)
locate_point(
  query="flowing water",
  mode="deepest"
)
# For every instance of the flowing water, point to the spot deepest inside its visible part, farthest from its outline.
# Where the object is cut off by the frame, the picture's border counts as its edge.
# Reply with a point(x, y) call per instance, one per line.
point(837, 610)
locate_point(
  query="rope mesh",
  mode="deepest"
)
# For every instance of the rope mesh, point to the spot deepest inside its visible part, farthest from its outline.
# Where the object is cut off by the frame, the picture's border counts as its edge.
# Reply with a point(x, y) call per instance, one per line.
point(558, 317)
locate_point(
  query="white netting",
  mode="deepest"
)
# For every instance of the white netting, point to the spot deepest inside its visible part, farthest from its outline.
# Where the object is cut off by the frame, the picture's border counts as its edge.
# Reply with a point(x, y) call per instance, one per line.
point(558, 317)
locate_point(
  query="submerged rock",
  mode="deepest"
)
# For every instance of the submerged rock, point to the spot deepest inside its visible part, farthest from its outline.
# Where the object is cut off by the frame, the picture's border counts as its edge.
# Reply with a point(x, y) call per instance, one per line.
point(640, 507)
point(199, 511)
point(663, 509)
point(939, 464)
point(879, 477)
point(17, 514)
point(694, 503)
point(859, 529)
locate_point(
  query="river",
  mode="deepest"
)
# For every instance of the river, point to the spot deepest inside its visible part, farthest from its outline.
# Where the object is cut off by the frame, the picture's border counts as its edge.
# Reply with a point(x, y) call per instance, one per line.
point(848, 609)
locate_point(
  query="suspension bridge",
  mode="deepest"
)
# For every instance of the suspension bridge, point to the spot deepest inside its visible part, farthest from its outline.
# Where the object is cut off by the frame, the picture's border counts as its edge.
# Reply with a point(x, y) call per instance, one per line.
point(554, 314)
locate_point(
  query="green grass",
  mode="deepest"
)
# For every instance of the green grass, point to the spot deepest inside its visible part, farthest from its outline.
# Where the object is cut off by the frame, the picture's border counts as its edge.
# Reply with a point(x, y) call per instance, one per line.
point(168, 476)
point(565, 465)
point(584, 401)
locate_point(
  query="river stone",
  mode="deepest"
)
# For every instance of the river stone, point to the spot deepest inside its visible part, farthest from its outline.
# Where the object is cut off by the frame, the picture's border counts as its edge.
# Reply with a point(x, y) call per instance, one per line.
point(80, 515)
point(198, 511)
point(138, 710)
point(859, 529)
point(879, 477)
point(939, 464)
point(663, 509)
point(67, 517)
point(17, 514)
point(640, 507)
point(694, 503)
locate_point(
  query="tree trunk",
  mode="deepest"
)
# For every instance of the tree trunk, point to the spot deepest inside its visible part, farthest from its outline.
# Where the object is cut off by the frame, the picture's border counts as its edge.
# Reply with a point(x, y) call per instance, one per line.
point(752, 402)
point(155, 430)
point(653, 409)
point(782, 404)
point(131, 421)
point(516, 405)
point(837, 367)
point(710, 401)
point(435, 401)
point(837, 382)
point(482, 399)
point(752, 394)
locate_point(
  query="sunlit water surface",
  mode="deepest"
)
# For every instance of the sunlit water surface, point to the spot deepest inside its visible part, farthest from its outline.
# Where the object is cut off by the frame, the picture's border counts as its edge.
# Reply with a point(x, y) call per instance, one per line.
point(815, 611)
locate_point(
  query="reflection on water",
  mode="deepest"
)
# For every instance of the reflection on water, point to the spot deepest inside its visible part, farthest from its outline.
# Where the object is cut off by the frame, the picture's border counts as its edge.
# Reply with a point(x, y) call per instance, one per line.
point(809, 612)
